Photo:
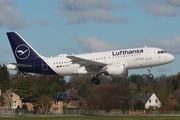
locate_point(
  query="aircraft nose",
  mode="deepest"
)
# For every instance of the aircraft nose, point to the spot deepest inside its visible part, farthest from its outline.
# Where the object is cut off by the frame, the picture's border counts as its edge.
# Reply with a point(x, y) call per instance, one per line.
point(171, 57)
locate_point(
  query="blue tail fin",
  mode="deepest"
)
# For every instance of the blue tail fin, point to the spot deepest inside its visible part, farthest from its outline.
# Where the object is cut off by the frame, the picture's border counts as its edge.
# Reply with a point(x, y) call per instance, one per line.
point(23, 52)
point(28, 60)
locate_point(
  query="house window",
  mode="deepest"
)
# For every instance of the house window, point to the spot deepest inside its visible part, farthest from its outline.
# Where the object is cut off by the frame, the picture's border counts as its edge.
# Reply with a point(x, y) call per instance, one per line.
point(149, 100)
point(56, 102)
point(56, 111)
point(171, 99)
point(13, 104)
point(156, 100)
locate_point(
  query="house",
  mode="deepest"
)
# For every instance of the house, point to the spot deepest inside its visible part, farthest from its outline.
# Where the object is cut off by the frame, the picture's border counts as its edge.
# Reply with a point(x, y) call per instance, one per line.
point(57, 107)
point(149, 99)
point(69, 99)
point(28, 101)
point(12, 100)
point(174, 97)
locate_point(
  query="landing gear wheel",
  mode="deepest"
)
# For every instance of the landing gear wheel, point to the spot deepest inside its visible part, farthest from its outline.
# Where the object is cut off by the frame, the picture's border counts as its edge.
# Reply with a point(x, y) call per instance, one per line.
point(95, 80)
point(151, 75)
point(23, 74)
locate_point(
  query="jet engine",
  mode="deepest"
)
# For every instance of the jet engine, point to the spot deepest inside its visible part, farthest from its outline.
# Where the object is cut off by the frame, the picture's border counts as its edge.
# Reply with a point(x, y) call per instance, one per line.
point(117, 70)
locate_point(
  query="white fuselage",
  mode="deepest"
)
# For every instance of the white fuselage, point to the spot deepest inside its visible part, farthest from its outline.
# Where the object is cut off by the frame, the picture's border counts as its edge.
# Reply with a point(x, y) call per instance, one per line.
point(132, 58)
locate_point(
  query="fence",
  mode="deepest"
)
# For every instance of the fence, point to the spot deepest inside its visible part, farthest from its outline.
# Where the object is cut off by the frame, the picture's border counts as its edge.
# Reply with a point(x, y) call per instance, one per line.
point(84, 112)
point(6, 112)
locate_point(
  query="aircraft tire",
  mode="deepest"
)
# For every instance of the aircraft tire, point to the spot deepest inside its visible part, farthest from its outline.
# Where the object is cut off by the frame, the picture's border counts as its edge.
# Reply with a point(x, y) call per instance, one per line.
point(95, 80)
point(151, 75)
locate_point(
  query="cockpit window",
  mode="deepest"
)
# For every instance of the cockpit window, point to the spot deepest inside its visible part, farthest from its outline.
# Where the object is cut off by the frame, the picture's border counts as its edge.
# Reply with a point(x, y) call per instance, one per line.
point(161, 52)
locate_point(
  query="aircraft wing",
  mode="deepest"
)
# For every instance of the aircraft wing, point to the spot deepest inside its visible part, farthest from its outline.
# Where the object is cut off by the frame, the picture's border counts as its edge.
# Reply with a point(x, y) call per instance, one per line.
point(88, 64)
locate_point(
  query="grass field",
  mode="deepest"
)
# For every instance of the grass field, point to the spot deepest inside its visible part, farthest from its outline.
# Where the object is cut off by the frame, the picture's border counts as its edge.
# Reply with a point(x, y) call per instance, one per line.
point(90, 118)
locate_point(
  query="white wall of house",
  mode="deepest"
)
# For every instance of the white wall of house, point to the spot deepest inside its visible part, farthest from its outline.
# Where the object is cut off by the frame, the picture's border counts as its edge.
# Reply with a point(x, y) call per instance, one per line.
point(12, 100)
point(15, 101)
point(153, 102)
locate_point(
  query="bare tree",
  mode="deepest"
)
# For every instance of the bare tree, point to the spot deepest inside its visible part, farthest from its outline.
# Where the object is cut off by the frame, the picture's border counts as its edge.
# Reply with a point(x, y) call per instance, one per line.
point(108, 96)
point(44, 102)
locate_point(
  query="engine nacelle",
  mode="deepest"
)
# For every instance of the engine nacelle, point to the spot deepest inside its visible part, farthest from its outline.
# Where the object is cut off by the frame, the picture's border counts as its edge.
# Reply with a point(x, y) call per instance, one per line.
point(117, 70)
point(81, 71)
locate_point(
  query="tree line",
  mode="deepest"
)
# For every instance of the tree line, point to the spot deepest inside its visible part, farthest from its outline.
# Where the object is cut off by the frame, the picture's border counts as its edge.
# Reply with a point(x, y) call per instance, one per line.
point(110, 94)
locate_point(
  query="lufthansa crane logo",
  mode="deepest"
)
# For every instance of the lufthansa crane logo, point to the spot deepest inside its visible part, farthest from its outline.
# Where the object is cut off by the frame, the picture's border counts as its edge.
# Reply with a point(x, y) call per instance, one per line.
point(22, 52)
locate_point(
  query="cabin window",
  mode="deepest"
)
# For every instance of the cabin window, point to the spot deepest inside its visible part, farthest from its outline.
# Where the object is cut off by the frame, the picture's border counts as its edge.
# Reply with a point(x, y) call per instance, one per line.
point(149, 100)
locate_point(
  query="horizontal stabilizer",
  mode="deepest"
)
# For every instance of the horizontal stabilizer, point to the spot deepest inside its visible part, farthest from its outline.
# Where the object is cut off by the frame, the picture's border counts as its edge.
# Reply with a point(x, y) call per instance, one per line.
point(20, 65)
point(14, 66)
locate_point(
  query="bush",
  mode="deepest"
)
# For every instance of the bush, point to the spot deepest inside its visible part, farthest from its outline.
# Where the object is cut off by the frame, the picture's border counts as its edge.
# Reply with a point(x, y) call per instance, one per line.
point(139, 105)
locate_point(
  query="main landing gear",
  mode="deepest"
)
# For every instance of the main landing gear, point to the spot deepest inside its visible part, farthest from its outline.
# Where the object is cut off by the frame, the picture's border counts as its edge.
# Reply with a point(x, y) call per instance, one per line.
point(95, 80)
point(150, 75)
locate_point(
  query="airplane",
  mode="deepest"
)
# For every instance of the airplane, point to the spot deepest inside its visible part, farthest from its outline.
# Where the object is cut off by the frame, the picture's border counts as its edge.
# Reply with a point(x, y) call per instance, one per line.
point(115, 63)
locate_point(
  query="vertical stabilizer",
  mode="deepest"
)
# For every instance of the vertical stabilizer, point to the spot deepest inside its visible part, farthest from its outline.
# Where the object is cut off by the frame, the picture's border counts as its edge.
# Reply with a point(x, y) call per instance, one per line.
point(23, 52)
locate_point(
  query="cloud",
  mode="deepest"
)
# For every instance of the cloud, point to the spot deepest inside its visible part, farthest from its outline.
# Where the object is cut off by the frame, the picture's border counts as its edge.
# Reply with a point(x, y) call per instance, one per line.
point(92, 44)
point(157, 8)
point(81, 11)
point(10, 16)
point(173, 2)
point(42, 22)
point(171, 45)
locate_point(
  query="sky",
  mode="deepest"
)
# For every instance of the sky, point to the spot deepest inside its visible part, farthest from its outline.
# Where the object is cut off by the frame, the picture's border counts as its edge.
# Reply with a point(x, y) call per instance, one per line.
point(54, 27)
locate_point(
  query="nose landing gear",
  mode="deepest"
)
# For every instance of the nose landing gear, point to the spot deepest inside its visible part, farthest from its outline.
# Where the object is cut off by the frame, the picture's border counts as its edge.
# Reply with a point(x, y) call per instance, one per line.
point(150, 74)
